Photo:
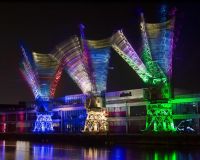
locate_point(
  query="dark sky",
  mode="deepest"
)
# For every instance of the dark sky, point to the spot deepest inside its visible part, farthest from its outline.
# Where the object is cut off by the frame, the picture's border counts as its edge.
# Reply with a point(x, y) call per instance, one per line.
point(43, 25)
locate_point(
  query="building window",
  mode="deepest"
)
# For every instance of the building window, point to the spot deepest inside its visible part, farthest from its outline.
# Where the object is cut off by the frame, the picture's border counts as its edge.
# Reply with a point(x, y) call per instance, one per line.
point(138, 111)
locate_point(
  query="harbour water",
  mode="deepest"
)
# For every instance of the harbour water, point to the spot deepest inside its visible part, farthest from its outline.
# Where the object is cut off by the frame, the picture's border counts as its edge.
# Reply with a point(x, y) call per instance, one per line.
point(25, 150)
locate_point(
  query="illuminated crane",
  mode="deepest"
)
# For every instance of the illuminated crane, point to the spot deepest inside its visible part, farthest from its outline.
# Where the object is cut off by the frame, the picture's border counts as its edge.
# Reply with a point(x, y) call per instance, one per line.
point(42, 74)
point(154, 68)
point(86, 61)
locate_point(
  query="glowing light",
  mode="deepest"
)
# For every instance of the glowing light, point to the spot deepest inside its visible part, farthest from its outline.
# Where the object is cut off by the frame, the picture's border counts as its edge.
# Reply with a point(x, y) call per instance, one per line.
point(153, 68)
point(48, 72)
point(86, 56)
point(75, 99)
point(2, 149)
point(30, 76)
point(100, 61)
point(86, 61)
point(42, 73)
point(40, 70)
point(44, 151)
point(160, 37)
point(156, 156)
point(159, 117)
point(184, 100)
point(96, 122)
point(126, 51)
point(70, 54)
point(157, 55)
point(22, 150)
point(43, 123)
point(118, 153)
point(55, 81)
point(174, 156)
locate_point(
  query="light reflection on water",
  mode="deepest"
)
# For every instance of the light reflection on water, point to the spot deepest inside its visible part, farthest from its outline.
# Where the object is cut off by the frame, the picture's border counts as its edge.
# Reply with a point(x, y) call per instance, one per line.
point(25, 150)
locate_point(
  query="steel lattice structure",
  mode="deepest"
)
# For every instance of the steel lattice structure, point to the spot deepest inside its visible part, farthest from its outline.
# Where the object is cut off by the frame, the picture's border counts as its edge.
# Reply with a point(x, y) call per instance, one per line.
point(154, 68)
point(126, 51)
point(28, 72)
point(42, 73)
point(86, 61)
point(160, 38)
point(158, 46)
point(70, 55)
point(99, 55)
point(85, 65)
point(46, 68)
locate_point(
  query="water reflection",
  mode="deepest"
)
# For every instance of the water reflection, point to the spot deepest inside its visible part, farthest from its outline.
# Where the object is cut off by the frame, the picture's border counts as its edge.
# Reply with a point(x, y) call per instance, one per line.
point(42, 151)
point(2, 150)
point(24, 150)
point(168, 154)
point(118, 153)
point(95, 153)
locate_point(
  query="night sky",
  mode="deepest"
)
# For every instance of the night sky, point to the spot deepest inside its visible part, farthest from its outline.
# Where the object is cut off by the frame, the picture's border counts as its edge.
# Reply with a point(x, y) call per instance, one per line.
point(43, 25)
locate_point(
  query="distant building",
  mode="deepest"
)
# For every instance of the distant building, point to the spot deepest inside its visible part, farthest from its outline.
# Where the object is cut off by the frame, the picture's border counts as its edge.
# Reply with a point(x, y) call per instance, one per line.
point(126, 111)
